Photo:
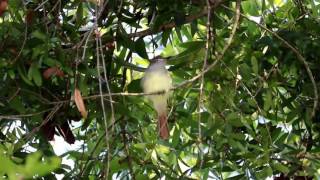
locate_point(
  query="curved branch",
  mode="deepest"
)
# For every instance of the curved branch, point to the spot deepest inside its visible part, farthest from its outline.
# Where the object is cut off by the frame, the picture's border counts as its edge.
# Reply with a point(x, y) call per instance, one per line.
point(299, 56)
point(220, 56)
point(171, 25)
point(20, 116)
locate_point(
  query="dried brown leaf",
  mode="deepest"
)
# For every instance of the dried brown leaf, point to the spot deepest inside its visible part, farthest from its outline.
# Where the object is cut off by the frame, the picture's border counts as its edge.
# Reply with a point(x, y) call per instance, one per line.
point(80, 104)
point(52, 71)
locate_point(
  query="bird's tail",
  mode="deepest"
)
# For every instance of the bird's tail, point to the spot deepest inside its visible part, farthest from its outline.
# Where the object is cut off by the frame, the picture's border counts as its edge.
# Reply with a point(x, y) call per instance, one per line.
point(163, 126)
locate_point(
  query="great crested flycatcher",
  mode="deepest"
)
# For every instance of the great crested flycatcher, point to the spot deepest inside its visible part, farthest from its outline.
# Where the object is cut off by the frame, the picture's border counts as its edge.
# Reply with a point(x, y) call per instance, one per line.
point(157, 79)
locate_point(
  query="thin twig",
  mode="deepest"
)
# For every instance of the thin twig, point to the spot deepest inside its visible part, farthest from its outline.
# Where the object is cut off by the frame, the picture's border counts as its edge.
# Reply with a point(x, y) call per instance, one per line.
point(91, 155)
point(110, 102)
point(126, 147)
point(103, 107)
point(40, 5)
point(95, 148)
point(111, 94)
point(171, 25)
point(85, 46)
point(101, 91)
point(39, 97)
point(107, 82)
point(88, 33)
point(23, 43)
point(47, 119)
point(20, 116)
point(200, 104)
point(14, 94)
point(55, 6)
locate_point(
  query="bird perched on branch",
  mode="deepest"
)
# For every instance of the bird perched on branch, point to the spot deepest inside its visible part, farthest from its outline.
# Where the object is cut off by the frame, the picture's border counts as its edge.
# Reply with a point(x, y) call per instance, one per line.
point(157, 79)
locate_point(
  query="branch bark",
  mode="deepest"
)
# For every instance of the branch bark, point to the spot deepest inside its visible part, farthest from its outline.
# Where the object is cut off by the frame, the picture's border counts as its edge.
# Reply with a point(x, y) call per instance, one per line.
point(171, 25)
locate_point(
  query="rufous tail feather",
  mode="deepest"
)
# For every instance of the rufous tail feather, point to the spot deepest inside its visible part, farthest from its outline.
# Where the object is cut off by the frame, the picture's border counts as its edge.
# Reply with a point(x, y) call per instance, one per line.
point(163, 126)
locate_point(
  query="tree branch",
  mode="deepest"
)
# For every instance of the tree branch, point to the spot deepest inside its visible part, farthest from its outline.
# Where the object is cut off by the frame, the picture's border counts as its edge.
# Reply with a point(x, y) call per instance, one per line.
point(171, 25)
point(299, 56)
point(18, 117)
point(220, 56)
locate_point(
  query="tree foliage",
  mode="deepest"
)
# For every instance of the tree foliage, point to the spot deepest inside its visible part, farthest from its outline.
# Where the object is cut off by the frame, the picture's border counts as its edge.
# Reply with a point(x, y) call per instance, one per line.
point(245, 102)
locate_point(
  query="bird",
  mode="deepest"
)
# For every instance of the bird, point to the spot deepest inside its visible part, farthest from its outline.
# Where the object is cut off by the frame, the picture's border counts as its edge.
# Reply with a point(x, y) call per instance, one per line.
point(157, 79)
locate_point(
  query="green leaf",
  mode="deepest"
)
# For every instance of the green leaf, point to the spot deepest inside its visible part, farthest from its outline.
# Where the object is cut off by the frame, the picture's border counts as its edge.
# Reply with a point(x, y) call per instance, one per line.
point(162, 149)
point(23, 75)
point(141, 146)
point(140, 48)
point(11, 74)
point(264, 173)
point(142, 177)
point(9, 165)
point(191, 53)
point(176, 136)
point(35, 74)
point(240, 176)
point(51, 62)
point(254, 64)
point(17, 104)
point(35, 165)
point(251, 7)
point(126, 42)
point(165, 36)
point(280, 167)
point(117, 164)
point(39, 35)
point(268, 100)
point(194, 27)
point(179, 35)
point(179, 18)
point(79, 14)
point(233, 119)
point(83, 86)
point(135, 86)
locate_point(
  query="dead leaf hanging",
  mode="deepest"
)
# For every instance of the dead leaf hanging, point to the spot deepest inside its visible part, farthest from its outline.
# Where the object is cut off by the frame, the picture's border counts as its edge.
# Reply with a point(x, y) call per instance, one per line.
point(80, 104)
